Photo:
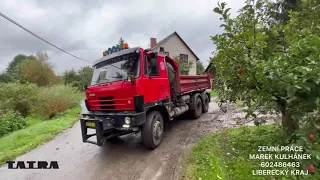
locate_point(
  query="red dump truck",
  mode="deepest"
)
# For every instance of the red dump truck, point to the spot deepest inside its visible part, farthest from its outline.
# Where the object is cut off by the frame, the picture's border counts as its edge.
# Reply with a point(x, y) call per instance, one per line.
point(137, 90)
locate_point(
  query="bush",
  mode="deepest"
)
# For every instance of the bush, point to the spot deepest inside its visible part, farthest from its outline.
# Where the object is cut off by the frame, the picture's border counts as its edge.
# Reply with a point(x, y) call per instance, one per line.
point(11, 121)
point(17, 97)
point(55, 99)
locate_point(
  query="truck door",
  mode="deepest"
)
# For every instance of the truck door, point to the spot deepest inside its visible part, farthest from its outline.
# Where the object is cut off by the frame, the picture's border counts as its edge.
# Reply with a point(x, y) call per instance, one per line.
point(155, 80)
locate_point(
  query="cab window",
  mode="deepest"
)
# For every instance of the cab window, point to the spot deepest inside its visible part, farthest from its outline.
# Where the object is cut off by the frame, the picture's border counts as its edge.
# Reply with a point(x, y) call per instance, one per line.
point(151, 66)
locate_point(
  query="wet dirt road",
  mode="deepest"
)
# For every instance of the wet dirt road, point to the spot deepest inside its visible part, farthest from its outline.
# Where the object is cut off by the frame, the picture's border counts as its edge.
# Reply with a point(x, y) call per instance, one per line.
point(124, 159)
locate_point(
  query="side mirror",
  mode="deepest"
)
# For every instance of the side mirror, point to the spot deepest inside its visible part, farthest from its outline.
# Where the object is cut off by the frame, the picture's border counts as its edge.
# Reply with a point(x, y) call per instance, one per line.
point(85, 87)
point(131, 79)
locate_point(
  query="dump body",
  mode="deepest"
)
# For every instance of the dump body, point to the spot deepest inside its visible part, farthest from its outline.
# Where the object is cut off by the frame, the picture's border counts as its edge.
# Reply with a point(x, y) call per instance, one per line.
point(184, 84)
point(194, 83)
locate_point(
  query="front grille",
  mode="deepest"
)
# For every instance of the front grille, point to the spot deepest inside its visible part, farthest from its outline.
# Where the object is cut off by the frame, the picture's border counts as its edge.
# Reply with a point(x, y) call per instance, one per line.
point(107, 102)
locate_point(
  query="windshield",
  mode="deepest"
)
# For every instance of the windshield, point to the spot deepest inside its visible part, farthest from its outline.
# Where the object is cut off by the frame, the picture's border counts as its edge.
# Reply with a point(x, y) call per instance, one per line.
point(116, 69)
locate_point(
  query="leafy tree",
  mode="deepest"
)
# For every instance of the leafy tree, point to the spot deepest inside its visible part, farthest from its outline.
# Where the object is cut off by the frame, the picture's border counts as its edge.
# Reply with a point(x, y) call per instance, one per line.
point(4, 77)
point(78, 78)
point(283, 8)
point(200, 68)
point(183, 66)
point(38, 70)
point(12, 70)
point(15, 62)
point(286, 79)
point(70, 76)
point(120, 43)
point(85, 75)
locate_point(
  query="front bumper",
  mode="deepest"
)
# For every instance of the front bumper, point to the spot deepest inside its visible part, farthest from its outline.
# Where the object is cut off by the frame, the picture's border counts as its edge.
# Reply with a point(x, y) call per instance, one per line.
point(105, 124)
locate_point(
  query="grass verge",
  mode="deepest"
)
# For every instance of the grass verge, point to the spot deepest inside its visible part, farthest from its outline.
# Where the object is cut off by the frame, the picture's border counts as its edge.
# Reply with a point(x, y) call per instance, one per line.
point(39, 132)
point(213, 93)
point(225, 155)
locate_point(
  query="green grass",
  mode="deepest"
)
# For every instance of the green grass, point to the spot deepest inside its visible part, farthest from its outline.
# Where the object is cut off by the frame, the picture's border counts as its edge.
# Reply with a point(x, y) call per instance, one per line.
point(213, 93)
point(225, 155)
point(33, 119)
point(38, 132)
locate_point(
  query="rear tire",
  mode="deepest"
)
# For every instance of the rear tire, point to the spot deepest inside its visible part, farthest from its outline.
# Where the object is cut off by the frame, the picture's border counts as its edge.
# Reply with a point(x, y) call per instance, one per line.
point(152, 130)
point(205, 107)
point(197, 110)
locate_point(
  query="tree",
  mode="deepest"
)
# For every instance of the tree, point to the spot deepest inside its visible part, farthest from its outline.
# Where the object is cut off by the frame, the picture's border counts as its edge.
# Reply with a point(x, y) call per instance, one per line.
point(283, 8)
point(15, 62)
point(13, 70)
point(38, 70)
point(78, 78)
point(286, 79)
point(4, 77)
point(121, 43)
point(85, 75)
point(70, 77)
point(200, 68)
point(183, 66)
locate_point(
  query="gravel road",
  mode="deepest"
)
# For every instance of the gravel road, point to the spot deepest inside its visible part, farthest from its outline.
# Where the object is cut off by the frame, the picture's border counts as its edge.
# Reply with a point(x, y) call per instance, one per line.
point(124, 159)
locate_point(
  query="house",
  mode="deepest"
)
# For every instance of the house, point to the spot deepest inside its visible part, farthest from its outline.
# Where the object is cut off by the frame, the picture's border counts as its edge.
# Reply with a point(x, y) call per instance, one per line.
point(212, 70)
point(175, 46)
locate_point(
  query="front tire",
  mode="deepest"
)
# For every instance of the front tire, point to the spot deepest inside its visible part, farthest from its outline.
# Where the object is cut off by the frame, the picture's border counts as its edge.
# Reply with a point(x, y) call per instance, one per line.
point(152, 130)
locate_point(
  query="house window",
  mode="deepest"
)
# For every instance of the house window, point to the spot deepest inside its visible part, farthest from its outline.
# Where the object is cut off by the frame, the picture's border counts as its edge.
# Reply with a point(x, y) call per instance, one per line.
point(166, 53)
point(184, 57)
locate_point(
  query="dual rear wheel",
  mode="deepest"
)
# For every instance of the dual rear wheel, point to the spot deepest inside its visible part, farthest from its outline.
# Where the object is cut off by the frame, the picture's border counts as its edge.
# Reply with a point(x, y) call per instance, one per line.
point(200, 105)
point(152, 129)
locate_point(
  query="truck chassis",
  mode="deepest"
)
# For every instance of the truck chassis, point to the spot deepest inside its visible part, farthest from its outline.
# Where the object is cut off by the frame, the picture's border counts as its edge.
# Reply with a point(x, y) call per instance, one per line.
point(150, 121)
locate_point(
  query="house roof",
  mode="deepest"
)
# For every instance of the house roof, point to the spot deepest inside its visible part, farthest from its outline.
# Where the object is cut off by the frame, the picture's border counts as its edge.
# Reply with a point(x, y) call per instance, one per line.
point(208, 68)
point(168, 37)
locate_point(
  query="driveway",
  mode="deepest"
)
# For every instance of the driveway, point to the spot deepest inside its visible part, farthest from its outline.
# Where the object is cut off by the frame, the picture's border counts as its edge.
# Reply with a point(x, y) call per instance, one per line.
point(124, 159)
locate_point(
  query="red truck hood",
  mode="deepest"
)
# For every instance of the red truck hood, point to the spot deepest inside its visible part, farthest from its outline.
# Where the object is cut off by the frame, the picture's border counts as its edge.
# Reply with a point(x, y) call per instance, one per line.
point(111, 96)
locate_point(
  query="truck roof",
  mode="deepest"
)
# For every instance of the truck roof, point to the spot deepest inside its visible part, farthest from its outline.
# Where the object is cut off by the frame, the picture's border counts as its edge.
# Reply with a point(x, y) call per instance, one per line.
point(119, 53)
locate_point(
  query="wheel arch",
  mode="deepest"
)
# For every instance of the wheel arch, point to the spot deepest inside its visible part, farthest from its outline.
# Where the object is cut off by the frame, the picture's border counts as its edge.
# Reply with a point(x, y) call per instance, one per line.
point(162, 110)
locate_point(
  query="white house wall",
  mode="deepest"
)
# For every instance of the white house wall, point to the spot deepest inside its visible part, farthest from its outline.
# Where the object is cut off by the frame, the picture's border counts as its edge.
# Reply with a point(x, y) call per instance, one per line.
point(175, 47)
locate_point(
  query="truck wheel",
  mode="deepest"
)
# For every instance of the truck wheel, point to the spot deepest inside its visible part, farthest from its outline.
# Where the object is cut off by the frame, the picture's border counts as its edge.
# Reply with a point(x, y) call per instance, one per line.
point(152, 130)
point(205, 103)
point(197, 110)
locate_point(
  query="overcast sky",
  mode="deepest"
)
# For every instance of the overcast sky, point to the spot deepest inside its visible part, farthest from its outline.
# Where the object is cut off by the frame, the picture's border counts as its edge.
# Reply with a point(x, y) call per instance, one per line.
point(86, 28)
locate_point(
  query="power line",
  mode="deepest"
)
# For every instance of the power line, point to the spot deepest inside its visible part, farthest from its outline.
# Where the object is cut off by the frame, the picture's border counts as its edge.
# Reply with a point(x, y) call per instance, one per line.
point(6, 17)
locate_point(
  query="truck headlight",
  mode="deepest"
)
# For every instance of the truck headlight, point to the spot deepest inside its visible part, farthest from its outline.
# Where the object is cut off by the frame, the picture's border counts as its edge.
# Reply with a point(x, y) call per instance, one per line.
point(127, 120)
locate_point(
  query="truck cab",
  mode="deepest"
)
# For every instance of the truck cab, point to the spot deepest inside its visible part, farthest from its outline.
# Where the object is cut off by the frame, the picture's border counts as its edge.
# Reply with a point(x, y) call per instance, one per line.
point(135, 90)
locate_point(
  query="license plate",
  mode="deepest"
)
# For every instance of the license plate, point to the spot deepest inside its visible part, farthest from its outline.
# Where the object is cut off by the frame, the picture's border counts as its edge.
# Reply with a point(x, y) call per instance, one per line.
point(90, 124)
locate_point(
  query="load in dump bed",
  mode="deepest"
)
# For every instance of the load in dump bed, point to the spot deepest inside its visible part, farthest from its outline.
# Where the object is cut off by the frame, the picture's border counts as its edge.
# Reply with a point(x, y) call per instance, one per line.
point(137, 90)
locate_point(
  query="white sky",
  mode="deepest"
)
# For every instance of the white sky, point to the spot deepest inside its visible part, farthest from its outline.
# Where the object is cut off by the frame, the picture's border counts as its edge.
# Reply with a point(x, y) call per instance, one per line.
point(86, 28)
